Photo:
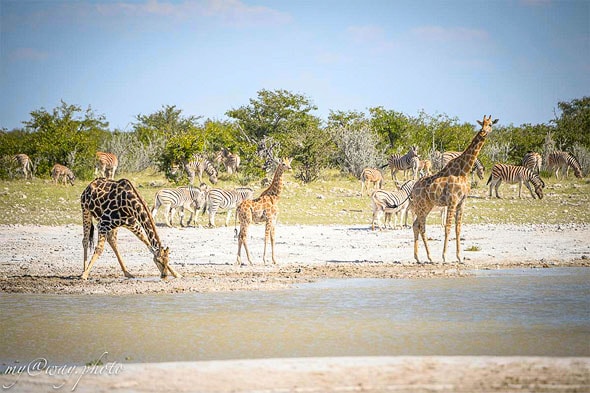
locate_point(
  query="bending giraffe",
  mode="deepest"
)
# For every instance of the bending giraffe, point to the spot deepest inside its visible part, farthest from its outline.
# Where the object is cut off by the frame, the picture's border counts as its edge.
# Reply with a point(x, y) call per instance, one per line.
point(262, 209)
point(116, 204)
point(449, 188)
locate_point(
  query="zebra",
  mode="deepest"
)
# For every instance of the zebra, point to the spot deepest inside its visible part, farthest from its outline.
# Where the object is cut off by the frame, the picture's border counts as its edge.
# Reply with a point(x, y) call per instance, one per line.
point(409, 160)
point(532, 161)
point(181, 198)
point(564, 160)
point(515, 174)
point(199, 164)
point(391, 202)
point(371, 175)
point(59, 170)
point(230, 160)
point(478, 167)
point(218, 198)
point(106, 164)
point(24, 163)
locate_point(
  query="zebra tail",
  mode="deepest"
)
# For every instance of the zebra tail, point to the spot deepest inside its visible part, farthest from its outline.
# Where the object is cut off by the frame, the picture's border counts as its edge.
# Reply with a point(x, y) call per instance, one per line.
point(489, 179)
point(204, 207)
point(384, 166)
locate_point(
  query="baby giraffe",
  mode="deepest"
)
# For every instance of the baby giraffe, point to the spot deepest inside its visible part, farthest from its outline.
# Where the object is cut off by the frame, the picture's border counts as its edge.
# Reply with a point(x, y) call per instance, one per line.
point(262, 209)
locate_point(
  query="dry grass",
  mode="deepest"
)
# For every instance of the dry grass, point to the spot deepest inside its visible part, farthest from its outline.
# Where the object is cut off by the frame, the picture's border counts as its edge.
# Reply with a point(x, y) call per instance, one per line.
point(334, 199)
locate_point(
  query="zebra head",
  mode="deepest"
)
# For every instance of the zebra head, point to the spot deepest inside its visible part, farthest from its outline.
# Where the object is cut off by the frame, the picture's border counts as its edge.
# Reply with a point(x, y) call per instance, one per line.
point(539, 185)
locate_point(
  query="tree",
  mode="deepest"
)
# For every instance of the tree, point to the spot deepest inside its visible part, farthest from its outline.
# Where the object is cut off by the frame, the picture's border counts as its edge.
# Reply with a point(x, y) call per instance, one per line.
point(573, 124)
point(279, 121)
point(67, 136)
point(165, 123)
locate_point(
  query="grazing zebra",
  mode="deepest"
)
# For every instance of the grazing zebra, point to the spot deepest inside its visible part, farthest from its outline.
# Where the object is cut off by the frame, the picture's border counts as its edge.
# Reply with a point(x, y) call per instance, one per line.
point(230, 160)
point(371, 175)
point(409, 160)
point(181, 198)
point(478, 167)
point(199, 164)
point(532, 161)
point(106, 165)
point(64, 172)
point(424, 167)
point(515, 174)
point(391, 202)
point(564, 160)
point(24, 163)
point(218, 198)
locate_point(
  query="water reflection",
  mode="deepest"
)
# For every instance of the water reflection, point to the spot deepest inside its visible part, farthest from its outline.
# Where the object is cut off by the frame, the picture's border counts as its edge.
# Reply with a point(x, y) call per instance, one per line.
point(532, 312)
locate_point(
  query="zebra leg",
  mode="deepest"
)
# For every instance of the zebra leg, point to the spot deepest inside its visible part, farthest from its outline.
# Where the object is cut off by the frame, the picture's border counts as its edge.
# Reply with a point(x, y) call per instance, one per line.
point(496, 187)
point(112, 239)
point(97, 251)
point(168, 214)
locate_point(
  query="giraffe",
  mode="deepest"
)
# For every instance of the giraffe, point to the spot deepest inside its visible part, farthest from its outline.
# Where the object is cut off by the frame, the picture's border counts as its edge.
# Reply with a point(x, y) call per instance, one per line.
point(262, 209)
point(114, 204)
point(449, 188)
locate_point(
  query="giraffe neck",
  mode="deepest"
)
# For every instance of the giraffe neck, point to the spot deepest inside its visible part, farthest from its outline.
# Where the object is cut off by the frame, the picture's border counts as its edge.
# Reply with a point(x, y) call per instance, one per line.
point(276, 186)
point(147, 223)
point(467, 159)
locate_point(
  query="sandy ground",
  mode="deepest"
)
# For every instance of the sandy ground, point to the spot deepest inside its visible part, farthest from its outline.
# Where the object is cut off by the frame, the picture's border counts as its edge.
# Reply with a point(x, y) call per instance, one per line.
point(42, 259)
point(39, 259)
point(373, 374)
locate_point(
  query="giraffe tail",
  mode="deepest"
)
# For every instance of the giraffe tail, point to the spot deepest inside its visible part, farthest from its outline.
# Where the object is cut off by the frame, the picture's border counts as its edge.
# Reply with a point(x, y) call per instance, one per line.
point(91, 237)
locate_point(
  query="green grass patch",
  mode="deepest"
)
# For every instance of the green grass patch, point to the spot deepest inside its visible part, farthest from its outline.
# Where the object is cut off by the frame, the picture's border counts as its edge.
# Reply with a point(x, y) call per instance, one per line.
point(333, 199)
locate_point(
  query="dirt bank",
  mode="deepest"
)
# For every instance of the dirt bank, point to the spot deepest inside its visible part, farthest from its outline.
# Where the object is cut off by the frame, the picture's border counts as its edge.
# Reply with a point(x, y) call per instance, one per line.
point(42, 259)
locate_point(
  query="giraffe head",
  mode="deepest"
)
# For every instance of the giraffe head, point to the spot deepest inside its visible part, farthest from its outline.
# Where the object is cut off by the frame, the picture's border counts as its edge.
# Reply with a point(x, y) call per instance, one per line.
point(486, 124)
point(161, 259)
point(285, 163)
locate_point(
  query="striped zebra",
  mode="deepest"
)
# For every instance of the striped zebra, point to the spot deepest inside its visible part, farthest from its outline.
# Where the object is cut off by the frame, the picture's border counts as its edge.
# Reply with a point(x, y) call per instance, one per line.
point(532, 161)
point(371, 175)
point(564, 160)
point(64, 172)
point(478, 167)
point(230, 161)
point(391, 202)
point(515, 174)
point(106, 165)
point(218, 198)
point(199, 164)
point(182, 198)
point(24, 165)
point(408, 161)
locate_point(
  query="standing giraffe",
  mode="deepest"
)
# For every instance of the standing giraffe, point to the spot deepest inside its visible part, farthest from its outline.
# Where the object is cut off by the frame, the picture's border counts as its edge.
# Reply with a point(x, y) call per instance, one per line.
point(262, 209)
point(114, 204)
point(449, 188)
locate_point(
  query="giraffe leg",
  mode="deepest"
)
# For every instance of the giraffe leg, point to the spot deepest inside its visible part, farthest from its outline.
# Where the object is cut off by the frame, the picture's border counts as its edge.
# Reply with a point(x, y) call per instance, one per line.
point(112, 239)
point(449, 221)
point(88, 234)
point(266, 236)
point(242, 236)
point(97, 251)
point(458, 223)
point(272, 242)
point(419, 228)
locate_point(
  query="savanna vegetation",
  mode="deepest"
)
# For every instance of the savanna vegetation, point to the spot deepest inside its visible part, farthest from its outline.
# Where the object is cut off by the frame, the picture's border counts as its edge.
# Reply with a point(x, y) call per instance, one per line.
point(328, 156)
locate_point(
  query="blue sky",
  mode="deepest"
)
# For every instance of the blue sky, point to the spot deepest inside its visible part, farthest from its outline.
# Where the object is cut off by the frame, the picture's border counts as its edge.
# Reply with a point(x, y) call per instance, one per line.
point(514, 59)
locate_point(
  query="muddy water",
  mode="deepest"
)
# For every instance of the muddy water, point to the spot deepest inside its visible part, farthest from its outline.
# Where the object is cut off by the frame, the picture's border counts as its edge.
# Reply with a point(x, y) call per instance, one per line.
point(514, 312)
